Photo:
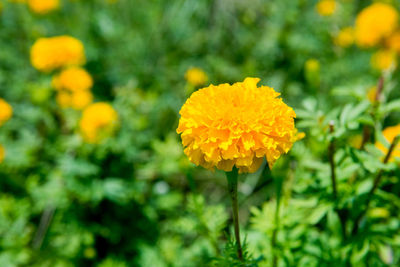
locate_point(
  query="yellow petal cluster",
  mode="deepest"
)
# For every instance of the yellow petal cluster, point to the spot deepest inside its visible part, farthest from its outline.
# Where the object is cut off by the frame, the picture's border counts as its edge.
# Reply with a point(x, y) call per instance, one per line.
point(236, 125)
point(73, 88)
point(345, 37)
point(326, 7)
point(393, 42)
point(196, 76)
point(375, 23)
point(5, 111)
point(383, 60)
point(73, 79)
point(43, 6)
point(52, 53)
point(98, 121)
point(390, 133)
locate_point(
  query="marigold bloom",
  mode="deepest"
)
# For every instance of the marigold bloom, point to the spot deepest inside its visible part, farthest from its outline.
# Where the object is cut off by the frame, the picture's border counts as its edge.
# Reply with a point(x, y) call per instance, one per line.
point(393, 42)
point(383, 60)
point(326, 7)
point(64, 99)
point(390, 133)
point(196, 76)
point(73, 79)
point(81, 99)
point(2, 153)
point(236, 125)
point(374, 23)
point(5, 111)
point(43, 6)
point(51, 53)
point(98, 121)
point(345, 37)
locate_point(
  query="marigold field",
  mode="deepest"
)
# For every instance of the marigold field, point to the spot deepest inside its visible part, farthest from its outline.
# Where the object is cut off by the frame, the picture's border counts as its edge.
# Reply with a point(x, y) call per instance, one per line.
point(190, 133)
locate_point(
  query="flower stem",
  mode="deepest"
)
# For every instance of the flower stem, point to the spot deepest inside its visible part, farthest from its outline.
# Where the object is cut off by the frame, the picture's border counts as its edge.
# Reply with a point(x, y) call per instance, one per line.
point(232, 187)
point(331, 155)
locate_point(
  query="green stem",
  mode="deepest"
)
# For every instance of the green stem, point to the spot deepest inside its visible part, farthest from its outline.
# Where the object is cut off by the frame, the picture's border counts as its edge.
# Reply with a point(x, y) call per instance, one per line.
point(232, 187)
point(331, 155)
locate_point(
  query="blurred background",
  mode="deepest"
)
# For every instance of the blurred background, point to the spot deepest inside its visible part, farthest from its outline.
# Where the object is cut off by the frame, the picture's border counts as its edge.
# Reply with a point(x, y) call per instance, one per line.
point(89, 184)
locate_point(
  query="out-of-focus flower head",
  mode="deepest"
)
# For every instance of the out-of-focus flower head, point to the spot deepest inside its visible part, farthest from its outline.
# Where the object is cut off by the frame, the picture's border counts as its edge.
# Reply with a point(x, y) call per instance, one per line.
point(98, 122)
point(345, 37)
point(393, 42)
point(51, 53)
point(5, 111)
point(236, 125)
point(73, 79)
point(81, 99)
point(196, 76)
point(43, 6)
point(383, 60)
point(2, 153)
point(375, 23)
point(77, 100)
point(390, 133)
point(326, 7)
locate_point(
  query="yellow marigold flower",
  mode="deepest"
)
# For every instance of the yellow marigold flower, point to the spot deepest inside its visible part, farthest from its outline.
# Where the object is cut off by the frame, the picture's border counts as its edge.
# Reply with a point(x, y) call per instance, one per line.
point(43, 6)
point(383, 60)
point(5, 111)
point(390, 133)
point(81, 99)
point(345, 37)
point(326, 7)
point(98, 121)
point(64, 99)
point(236, 125)
point(196, 76)
point(73, 79)
point(374, 23)
point(51, 53)
point(393, 42)
point(2, 153)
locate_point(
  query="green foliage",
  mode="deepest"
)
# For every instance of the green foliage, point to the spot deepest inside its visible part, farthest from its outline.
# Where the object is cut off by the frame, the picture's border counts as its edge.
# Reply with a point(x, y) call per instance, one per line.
point(135, 199)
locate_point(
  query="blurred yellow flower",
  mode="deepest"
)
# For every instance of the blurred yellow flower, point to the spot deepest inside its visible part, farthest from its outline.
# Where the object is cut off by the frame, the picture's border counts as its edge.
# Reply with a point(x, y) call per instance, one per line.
point(345, 37)
point(5, 111)
point(196, 76)
point(51, 53)
point(81, 99)
point(374, 23)
point(2, 153)
point(64, 99)
point(390, 133)
point(393, 42)
point(98, 121)
point(326, 7)
point(236, 125)
point(77, 100)
point(73, 79)
point(383, 60)
point(43, 6)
